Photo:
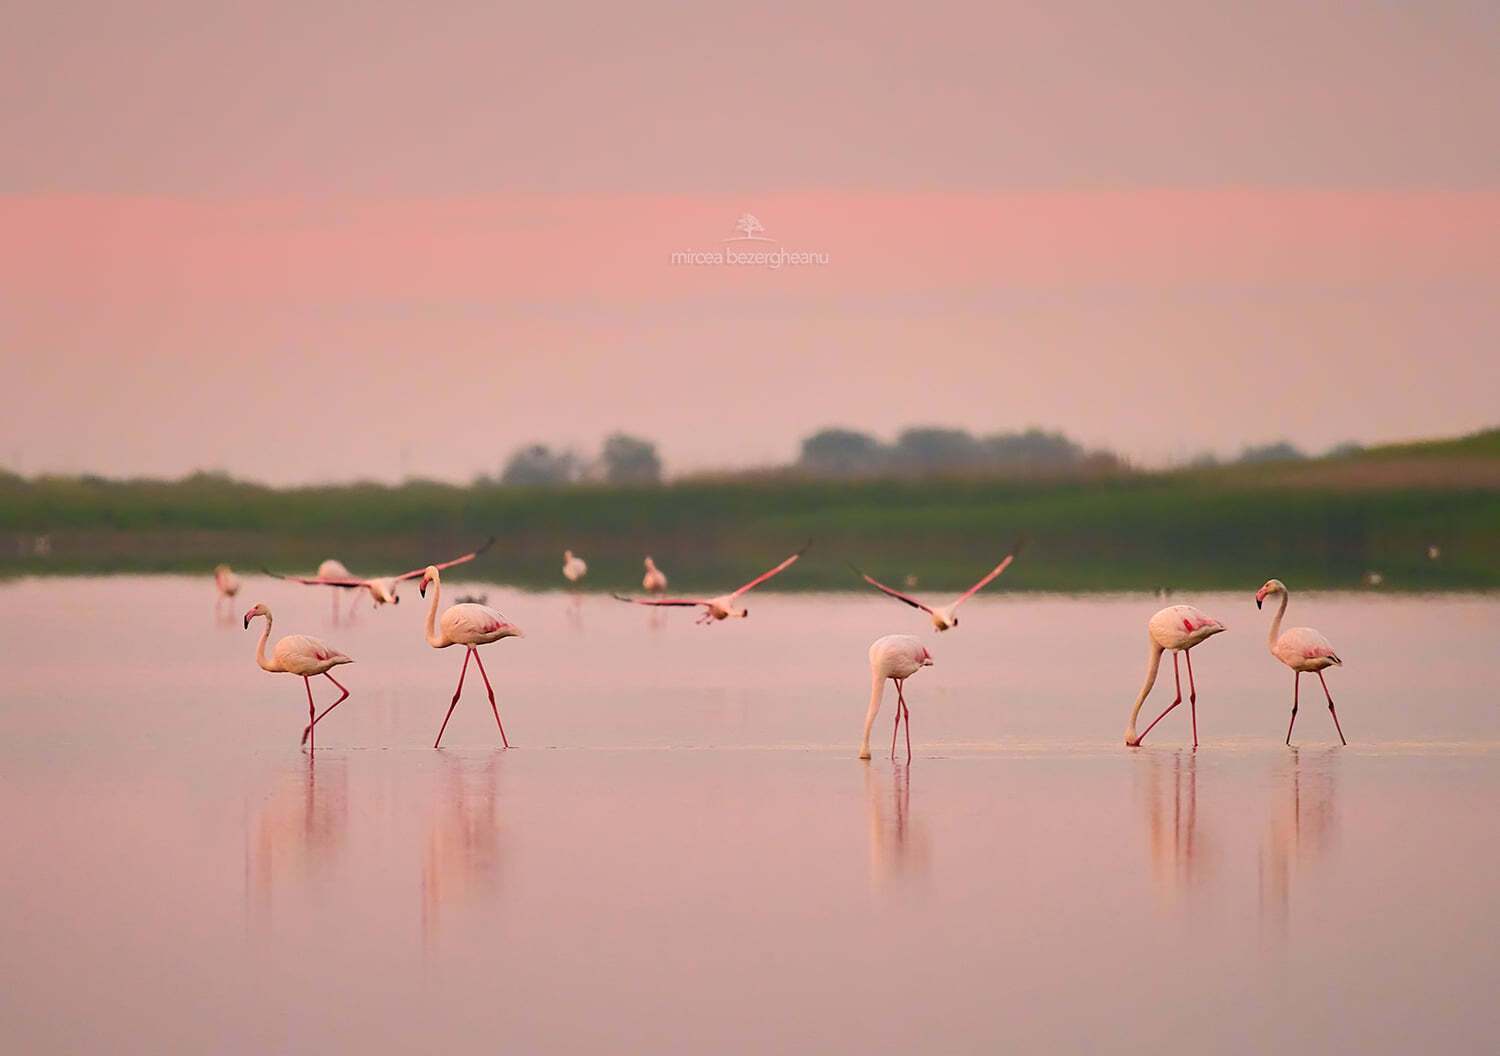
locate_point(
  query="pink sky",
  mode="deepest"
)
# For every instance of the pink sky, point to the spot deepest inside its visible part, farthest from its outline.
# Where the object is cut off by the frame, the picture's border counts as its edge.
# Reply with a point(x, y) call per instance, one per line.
point(301, 249)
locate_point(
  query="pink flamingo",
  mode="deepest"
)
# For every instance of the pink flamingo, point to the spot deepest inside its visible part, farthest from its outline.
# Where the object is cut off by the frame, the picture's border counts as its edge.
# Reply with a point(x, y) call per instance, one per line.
point(470, 625)
point(655, 580)
point(723, 606)
point(896, 657)
point(1178, 628)
point(944, 617)
point(297, 654)
point(382, 589)
point(1301, 649)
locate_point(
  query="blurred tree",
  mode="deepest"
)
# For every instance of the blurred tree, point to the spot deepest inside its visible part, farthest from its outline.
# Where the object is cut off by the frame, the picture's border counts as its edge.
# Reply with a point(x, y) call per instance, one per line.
point(933, 450)
point(1344, 450)
point(630, 460)
point(1281, 451)
point(842, 453)
point(1033, 448)
point(540, 465)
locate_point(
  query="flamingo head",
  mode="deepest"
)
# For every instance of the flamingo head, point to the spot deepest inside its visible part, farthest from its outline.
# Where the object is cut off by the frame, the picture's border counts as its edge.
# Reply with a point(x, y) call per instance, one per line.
point(1272, 586)
point(926, 658)
point(650, 564)
point(567, 555)
point(258, 609)
point(429, 575)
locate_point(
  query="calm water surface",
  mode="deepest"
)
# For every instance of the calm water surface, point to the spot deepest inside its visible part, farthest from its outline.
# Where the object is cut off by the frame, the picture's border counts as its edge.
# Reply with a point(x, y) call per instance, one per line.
point(683, 855)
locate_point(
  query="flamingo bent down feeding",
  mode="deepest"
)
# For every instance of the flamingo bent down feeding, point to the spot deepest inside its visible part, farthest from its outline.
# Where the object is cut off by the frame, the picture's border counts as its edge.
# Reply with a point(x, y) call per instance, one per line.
point(297, 654)
point(1301, 649)
point(1178, 628)
point(723, 606)
point(896, 657)
point(470, 625)
point(382, 590)
point(944, 618)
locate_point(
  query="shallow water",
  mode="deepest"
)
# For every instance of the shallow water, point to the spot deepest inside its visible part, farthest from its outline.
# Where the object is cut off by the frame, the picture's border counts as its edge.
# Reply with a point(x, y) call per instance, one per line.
point(682, 853)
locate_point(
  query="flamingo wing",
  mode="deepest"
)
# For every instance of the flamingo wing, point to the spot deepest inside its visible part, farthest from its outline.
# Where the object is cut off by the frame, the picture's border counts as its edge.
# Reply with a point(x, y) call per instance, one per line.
point(659, 601)
point(414, 573)
point(319, 581)
point(758, 580)
point(913, 602)
point(989, 577)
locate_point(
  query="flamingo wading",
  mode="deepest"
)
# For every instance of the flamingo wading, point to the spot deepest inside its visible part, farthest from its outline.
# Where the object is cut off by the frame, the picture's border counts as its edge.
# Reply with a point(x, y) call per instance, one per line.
point(470, 625)
point(1178, 628)
point(1301, 649)
point(943, 617)
point(723, 606)
point(574, 567)
point(895, 657)
point(655, 580)
point(297, 654)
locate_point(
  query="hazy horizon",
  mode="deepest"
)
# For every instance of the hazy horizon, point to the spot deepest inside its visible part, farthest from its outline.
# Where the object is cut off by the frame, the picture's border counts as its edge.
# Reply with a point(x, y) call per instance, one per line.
point(281, 246)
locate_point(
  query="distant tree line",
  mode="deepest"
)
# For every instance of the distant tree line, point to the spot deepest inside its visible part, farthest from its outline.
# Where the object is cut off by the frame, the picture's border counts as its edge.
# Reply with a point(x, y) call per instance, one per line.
point(621, 460)
point(928, 450)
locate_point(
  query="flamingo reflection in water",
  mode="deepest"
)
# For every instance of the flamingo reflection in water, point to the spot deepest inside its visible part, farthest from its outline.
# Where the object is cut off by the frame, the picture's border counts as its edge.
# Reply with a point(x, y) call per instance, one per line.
point(298, 831)
point(461, 858)
point(1303, 827)
point(899, 847)
point(1177, 851)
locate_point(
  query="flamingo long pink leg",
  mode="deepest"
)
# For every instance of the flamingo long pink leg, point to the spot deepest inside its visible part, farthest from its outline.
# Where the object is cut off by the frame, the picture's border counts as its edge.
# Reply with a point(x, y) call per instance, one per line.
point(1296, 684)
point(897, 727)
point(1187, 654)
point(1178, 675)
point(1331, 711)
point(491, 692)
point(326, 710)
point(906, 713)
point(456, 693)
point(313, 746)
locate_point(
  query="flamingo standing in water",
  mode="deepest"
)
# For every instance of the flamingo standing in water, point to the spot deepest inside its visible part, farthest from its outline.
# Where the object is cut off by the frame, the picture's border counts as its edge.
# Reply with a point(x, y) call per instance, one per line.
point(655, 580)
point(723, 606)
point(382, 590)
point(227, 584)
point(896, 657)
point(574, 567)
point(470, 625)
point(947, 617)
point(297, 654)
point(1178, 628)
point(1301, 649)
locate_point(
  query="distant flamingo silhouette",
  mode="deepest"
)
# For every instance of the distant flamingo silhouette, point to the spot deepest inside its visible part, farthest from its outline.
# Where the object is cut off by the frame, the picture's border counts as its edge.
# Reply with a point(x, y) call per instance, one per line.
point(297, 654)
point(1301, 649)
point(227, 584)
point(655, 580)
point(943, 618)
point(723, 606)
point(471, 626)
point(896, 657)
point(1178, 628)
point(574, 567)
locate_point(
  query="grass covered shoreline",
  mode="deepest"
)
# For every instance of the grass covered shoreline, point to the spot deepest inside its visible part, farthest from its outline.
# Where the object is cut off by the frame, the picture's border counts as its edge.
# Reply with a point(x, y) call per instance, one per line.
point(1325, 523)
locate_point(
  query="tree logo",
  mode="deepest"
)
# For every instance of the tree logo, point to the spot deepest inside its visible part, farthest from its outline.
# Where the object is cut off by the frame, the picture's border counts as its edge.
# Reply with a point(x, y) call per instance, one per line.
point(750, 229)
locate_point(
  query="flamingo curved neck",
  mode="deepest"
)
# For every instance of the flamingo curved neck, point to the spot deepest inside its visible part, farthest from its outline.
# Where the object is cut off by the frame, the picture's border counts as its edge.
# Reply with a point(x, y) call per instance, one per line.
point(1276, 622)
point(434, 639)
point(1151, 668)
point(877, 687)
point(260, 650)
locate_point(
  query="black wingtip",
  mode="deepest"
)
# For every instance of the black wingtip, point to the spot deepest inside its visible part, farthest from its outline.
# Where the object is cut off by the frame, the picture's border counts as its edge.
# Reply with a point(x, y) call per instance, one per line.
point(1020, 544)
point(273, 575)
point(487, 544)
point(855, 569)
point(621, 597)
point(804, 548)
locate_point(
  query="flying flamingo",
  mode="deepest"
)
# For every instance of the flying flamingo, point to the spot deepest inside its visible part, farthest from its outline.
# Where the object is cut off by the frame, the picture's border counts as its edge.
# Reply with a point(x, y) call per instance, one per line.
point(896, 657)
point(297, 654)
point(471, 626)
point(944, 618)
point(1301, 649)
point(227, 584)
point(655, 580)
point(1178, 628)
point(723, 606)
point(574, 567)
point(382, 590)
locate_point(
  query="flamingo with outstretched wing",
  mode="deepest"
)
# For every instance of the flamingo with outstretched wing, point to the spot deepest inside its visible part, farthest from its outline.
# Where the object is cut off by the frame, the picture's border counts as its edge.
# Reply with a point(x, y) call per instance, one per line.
point(723, 606)
point(382, 589)
point(945, 617)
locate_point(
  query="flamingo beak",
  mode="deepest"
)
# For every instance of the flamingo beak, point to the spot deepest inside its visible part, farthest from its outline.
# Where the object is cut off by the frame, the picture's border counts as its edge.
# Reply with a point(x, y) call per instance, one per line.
point(247, 621)
point(422, 590)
